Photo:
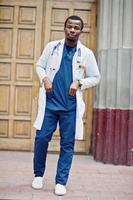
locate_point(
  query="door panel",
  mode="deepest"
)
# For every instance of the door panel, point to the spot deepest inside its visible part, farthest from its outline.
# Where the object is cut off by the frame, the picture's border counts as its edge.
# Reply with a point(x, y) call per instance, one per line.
point(56, 13)
point(20, 45)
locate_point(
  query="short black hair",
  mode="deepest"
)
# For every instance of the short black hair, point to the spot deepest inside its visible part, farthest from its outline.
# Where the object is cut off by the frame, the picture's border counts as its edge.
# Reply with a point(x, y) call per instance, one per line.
point(75, 17)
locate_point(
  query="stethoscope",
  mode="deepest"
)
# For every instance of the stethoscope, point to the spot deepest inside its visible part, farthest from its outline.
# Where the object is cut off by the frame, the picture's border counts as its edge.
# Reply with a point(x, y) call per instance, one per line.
point(79, 56)
point(56, 47)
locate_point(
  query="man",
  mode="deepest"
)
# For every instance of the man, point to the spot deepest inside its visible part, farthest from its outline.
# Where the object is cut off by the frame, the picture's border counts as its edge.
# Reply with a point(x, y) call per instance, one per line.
point(65, 68)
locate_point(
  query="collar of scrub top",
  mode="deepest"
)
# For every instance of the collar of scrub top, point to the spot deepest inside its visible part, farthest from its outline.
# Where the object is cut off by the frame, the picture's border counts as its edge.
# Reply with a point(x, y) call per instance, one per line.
point(56, 47)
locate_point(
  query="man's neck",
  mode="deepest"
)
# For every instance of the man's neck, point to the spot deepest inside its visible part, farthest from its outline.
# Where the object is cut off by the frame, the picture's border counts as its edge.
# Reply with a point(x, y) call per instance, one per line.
point(71, 43)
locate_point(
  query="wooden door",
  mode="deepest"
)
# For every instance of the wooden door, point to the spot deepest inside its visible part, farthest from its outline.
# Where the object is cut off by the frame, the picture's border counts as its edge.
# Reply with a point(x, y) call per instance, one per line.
point(20, 45)
point(56, 13)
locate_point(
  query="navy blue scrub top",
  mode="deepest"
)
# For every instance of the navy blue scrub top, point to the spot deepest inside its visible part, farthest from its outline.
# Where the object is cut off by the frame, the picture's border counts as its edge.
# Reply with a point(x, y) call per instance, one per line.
point(59, 99)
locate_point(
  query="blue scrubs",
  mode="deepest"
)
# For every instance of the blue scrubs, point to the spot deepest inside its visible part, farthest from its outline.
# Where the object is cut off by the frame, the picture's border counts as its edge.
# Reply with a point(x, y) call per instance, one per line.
point(59, 98)
point(60, 107)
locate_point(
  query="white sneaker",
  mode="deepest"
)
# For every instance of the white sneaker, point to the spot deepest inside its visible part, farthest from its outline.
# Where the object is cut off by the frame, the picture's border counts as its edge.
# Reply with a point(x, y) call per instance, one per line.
point(60, 189)
point(37, 182)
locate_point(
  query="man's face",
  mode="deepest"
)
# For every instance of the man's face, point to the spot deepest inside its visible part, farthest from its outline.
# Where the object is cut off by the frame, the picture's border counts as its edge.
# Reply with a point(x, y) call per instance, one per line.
point(72, 29)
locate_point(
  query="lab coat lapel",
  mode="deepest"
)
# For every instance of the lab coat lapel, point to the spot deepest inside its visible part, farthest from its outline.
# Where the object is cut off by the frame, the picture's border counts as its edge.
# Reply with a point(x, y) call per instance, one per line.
point(60, 52)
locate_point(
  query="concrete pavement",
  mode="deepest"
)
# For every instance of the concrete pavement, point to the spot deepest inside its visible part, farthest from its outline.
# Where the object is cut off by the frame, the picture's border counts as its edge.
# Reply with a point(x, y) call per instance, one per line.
point(89, 180)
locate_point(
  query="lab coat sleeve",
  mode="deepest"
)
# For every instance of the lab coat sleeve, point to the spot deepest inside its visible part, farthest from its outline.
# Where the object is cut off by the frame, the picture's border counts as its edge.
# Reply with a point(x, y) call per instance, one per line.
point(42, 63)
point(92, 72)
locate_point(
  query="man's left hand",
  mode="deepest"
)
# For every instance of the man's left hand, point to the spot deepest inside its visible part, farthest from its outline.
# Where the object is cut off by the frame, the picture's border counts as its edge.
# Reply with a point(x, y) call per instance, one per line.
point(73, 88)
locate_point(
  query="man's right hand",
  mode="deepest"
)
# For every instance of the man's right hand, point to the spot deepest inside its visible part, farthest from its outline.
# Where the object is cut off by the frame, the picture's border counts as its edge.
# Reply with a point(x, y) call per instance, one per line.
point(47, 84)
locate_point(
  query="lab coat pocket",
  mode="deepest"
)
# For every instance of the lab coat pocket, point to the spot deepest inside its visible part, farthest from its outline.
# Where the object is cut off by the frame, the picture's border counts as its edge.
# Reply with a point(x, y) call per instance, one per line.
point(51, 66)
point(79, 73)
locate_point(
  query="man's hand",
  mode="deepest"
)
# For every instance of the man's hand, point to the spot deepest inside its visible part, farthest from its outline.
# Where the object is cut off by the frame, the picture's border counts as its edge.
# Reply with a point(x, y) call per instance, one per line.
point(47, 84)
point(73, 88)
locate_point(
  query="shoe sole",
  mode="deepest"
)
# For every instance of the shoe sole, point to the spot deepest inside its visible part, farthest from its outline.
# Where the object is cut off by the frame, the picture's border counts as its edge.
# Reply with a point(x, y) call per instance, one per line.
point(59, 194)
point(37, 188)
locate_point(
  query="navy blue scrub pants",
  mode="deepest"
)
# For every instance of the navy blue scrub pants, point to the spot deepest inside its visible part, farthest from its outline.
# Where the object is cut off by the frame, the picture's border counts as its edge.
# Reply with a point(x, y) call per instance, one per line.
point(67, 121)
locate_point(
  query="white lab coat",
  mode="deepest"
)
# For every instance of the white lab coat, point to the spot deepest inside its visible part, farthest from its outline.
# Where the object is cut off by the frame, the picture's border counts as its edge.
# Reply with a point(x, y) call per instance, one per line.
point(84, 69)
